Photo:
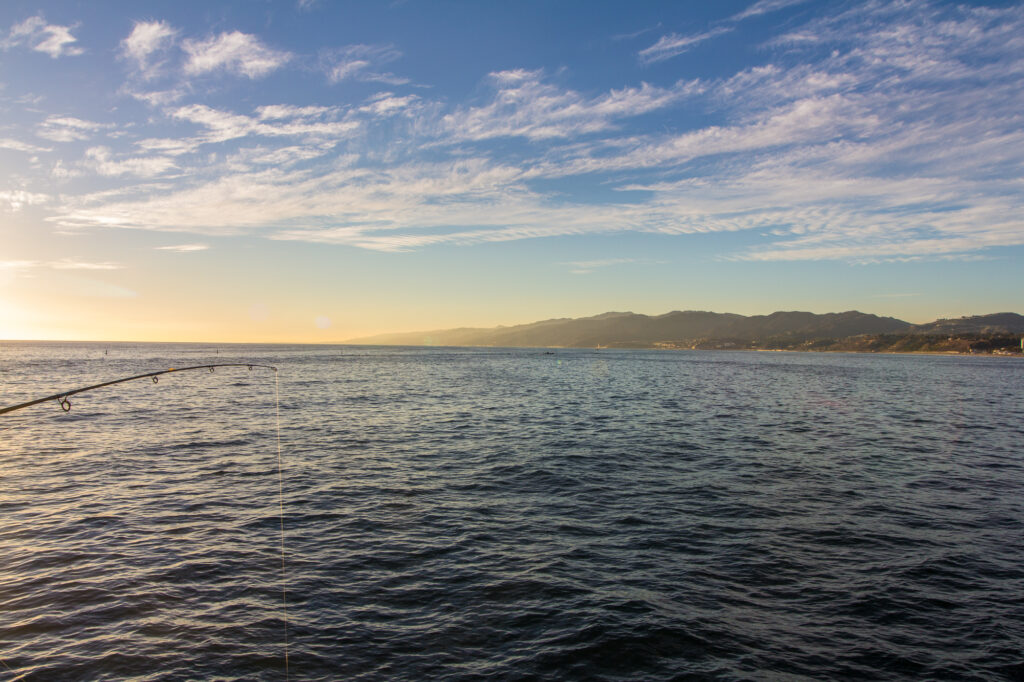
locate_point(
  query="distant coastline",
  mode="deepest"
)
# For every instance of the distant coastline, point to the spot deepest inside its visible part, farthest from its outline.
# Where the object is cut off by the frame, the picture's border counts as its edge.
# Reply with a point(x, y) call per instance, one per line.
point(847, 332)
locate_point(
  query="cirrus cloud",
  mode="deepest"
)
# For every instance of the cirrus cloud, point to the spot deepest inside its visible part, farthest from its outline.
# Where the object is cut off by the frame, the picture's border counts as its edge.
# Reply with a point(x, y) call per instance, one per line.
point(672, 45)
point(235, 52)
point(872, 131)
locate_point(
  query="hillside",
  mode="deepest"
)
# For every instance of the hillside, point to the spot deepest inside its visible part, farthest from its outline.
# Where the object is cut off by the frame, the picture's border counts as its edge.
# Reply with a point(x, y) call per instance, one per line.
point(674, 329)
point(995, 324)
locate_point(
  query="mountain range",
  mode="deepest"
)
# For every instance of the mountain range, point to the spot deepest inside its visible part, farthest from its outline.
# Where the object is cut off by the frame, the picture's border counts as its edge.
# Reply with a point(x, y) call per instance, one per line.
point(686, 329)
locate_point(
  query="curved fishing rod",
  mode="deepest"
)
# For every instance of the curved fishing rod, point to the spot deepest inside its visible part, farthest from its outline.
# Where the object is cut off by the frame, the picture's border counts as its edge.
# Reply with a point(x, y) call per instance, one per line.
point(62, 398)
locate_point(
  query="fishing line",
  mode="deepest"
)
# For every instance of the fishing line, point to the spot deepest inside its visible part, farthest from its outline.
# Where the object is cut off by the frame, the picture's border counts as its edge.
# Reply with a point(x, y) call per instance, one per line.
point(280, 499)
point(65, 404)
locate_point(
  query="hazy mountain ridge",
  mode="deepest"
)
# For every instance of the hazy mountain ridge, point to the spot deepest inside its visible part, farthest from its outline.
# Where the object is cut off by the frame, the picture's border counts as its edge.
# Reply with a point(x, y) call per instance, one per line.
point(996, 323)
point(702, 329)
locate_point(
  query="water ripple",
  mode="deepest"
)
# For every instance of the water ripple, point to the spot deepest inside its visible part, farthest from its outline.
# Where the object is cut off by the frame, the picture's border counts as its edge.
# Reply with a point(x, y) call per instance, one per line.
point(513, 514)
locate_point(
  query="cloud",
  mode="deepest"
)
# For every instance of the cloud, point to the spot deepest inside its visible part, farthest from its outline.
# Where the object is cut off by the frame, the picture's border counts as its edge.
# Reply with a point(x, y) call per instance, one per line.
point(18, 264)
point(50, 39)
point(62, 264)
point(526, 105)
point(894, 135)
point(173, 146)
point(360, 62)
point(101, 161)
point(62, 172)
point(674, 44)
point(420, 195)
point(15, 200)
point(277, 112)
point(183, 248)
point(69, 264)
point(765, 7)
point(809, 120)
point(385, 104)
point(146, 39)
point(17, 145)
point(238, 53)
point(158, 98)
point(311, 124)
point(68, 128)
point(280, 157)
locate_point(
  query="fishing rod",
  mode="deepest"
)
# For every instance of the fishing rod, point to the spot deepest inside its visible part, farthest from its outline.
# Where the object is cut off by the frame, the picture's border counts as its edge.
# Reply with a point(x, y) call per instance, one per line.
point(65, 404)
point(62, 399)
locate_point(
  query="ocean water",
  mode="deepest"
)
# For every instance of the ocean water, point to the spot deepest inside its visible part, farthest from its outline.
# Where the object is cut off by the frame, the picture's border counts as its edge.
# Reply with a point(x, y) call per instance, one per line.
point(469, 514)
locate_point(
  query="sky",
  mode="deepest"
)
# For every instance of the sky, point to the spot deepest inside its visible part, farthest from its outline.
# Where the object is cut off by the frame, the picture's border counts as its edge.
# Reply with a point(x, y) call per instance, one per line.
point(313, 171)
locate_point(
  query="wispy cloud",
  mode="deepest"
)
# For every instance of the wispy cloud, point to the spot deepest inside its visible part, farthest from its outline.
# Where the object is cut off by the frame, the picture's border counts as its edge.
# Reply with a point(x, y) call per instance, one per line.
point(158, 98)
point(101, 160)
point(385, 104)
point(252, 158)
point(51, 39)
point(70, 264)
point(673, 44)
point(62, 264)
point(806, 121)
point(312, 124)
point(172, 146)
point(18, 145)
point(895, 134)
point(361, 62)
point(68, 128)
point(18, 264)
point(526, 105)
point(765, 7)
point(278, 112)
point(236, 52)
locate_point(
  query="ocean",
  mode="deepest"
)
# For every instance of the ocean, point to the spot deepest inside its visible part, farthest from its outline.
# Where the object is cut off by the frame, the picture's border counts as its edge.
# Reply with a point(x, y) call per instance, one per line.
point(511, 514)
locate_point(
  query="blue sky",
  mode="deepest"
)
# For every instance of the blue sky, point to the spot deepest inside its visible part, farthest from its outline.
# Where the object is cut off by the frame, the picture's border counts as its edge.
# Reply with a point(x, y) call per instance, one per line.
point(318, 170)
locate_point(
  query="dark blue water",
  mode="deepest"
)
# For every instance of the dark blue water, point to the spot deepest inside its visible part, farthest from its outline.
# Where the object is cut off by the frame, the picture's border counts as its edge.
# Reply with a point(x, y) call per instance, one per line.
point(512, 514)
